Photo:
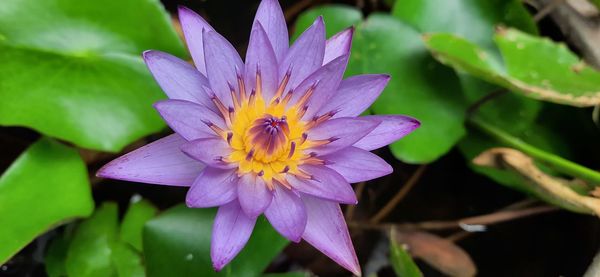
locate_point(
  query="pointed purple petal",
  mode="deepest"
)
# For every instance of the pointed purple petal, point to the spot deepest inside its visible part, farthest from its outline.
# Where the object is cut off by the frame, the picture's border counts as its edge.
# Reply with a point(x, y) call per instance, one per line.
point(253, 194)
point(391, 128)
point(192, 25)
point(213, 187)
point(355, 95)
point(326, 230)
point(271, 17)
point(210, 151)
point(260, 56)
point(286, 213)
point(189, 119)
point(327, 79)
point(338, 45)
point(223, 64)
point(178, 79)
point(342, 132)
point(357, 165)
point(231, 231)
point(160, 162)
point(325, 183)
point(306, 54)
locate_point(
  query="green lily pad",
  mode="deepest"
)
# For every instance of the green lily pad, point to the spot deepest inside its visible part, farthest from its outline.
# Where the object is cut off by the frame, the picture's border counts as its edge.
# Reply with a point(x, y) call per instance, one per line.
point(419, 87)
point(476, 21)
point(336, 17)
point(90, 250)
point(73, 69)
point(177, 243)
point(564, 79)
point(137, 215)
point(46, 186)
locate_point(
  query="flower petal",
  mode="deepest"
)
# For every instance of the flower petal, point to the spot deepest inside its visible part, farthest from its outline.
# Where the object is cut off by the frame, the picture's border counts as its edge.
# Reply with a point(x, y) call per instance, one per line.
point(210, 151)
point(253, 194)
point(326, 230)
point(286, 213)
point(355, 94)
point(342, 132)
point(223, 64)
point(260, 56)
point(325, 183)
point(305, 55)
point(213, 187)
point(178, 79)
point(357, 165)
point(188, 119)
point(160, 162)
point(339, 44)
point(193, 25)
point(231, 231)
point(271, 17)
point(391, 128)
point(325, 81)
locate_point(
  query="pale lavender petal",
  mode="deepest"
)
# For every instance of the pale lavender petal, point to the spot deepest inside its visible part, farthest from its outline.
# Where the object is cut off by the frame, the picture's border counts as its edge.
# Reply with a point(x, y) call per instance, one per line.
point(253, 194)
point(357, 165)
point(342, 132)
point(286, 213)
point(210, 151)
point(326, 230)
point(339, 44)
point(223, 64)
point(260, 56)
point(325, 82)
point(271, 17)
point(160, 162)
point(188, 119)
point(178, 79)
point(305, 55)
point(231, 230)
point(391, 128)
point(213, 187)
point(325, 183)
point(355, 95)
point(193, 25)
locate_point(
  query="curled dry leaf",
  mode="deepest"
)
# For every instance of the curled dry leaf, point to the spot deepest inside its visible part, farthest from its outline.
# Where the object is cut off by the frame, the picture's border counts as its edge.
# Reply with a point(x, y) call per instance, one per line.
point(438, 252)
point(549, 188)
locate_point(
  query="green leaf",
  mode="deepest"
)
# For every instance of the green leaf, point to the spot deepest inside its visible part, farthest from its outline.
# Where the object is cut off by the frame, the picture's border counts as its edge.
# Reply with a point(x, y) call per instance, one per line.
point(137, 215)
point(54, 260)
point(472, 19)
point(126, 260)
point(46, 186)
point(336, 17)
point(72, 69)
point(564, 79)
point(177, 243)
point(419, 87)
point(402, 262)
point(90, 250)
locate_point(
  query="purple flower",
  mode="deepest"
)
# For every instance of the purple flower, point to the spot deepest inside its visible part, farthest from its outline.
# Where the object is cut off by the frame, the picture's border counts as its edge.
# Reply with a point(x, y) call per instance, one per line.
point(278, 135)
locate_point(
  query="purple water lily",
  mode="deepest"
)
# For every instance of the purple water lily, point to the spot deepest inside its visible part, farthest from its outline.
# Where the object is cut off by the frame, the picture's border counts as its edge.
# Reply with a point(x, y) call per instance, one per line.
point(278, 135)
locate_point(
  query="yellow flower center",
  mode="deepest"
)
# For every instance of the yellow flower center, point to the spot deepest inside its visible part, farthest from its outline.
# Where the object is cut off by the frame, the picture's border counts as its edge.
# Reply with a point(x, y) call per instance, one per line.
point(268, 138)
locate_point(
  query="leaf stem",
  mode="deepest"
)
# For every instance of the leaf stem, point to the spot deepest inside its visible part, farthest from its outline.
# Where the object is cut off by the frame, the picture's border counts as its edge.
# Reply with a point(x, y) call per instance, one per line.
point(560, 164)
